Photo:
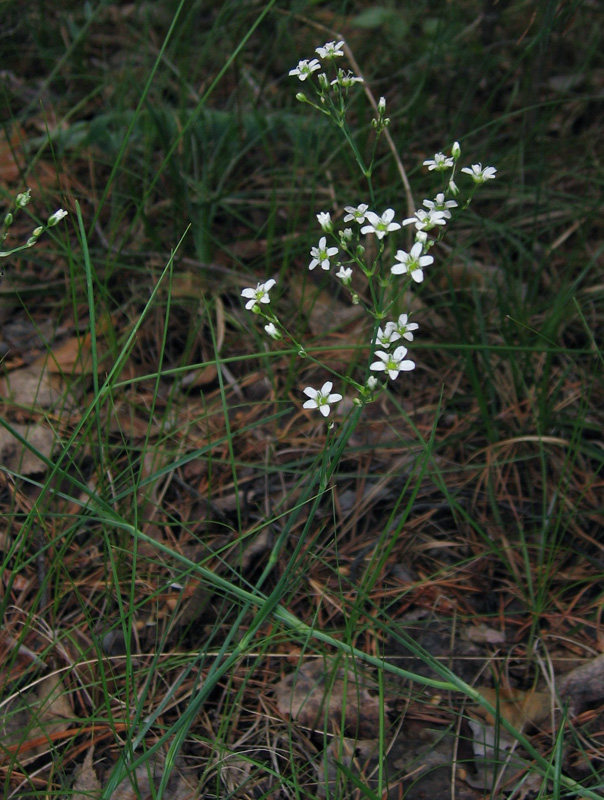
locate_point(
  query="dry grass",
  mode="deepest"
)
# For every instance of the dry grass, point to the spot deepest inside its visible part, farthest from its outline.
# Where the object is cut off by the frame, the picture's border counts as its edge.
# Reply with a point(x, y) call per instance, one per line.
point(466, 512)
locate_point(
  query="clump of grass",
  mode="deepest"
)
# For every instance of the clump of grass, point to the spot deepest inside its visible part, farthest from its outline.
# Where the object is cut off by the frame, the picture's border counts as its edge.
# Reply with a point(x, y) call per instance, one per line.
point(171, 555)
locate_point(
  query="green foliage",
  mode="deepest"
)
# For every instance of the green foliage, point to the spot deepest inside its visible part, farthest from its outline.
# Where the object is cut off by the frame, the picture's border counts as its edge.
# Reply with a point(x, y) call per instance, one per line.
point(185, 509)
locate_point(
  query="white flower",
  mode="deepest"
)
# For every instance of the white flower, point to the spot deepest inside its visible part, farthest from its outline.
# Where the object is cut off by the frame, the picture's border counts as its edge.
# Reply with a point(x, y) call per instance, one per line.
point(357, 214)
point(305, 68)
point(479, 173)
point(440, 162)
point(324, 219)
point(346, 235)
point(440, 204)
point(372, 382)
point(392, 363)
point(426, 220)
point(321, 398)
point(259, 294)
point(346, 79)
point(345, 275)
point(405, 328)
point(412, 262)
point(330, 50)
point(380, 225)
point(272, 331)
point(322, 254)
point(55, 218)
point(384, 338)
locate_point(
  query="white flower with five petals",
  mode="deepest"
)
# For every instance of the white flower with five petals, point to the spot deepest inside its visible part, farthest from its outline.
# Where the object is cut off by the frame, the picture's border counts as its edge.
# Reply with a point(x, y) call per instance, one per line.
point(412, 262)
point(305, 68)
point(322, 254)
point(380, 225)
point(406, 328)
point(440, 162)
point(357, 214)
point(393, 363)
point(426, 220)
point(440, 204)
point(321, 398)
point(479, 173)
point(385, 337)
point(259, 294)
point(346, 79)
point(330, 50)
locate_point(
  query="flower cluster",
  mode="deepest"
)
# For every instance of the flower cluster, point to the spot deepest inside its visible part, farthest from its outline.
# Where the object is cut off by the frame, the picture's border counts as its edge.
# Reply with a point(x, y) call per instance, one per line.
point(347, 251)
point(21, 201)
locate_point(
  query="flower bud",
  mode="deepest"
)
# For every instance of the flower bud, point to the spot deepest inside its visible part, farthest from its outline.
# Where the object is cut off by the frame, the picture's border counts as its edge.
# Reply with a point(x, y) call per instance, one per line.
point(456, 150)
point(324, 219)
point(8, 220)
point(453, 188)
point(272, 331)
point(301, 97)
point(55, 218)
point(23, 199)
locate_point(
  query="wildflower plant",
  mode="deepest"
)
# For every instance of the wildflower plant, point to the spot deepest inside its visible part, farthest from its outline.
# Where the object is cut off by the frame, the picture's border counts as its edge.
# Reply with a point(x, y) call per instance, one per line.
point(22, 200)
point(376, 283)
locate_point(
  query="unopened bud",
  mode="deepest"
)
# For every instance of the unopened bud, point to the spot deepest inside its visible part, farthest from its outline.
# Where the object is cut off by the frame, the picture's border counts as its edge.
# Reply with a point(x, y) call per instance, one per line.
point(55, 218)
point(324, 220)
point(23, 199)
point(272, 331)
point(456, 150)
